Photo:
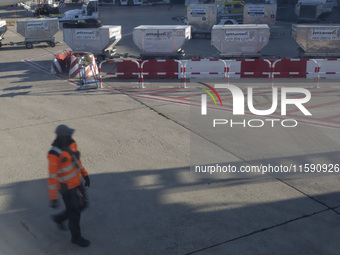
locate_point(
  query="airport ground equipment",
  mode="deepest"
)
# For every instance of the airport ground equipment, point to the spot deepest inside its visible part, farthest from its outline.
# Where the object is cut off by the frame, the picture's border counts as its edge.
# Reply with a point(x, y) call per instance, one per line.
point(243, 40)
point(87, 67)
point(3, 29)
point(201, 18)
point(317, 40)
point(99, 41)
point(45, 10)
point(260, 14)
point(164, 41)
point(38, 30)
point(314, 10)
point(88, 11)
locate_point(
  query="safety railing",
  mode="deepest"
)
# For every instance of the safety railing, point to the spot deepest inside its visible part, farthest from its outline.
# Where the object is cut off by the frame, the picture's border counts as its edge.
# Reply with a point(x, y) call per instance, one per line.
point(155, 73)
point(101, 74)
point(227, 71)
point(316, 77)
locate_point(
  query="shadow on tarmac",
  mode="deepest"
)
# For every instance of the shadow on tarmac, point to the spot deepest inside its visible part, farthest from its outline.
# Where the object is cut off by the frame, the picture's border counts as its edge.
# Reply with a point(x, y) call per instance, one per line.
point(156, 212)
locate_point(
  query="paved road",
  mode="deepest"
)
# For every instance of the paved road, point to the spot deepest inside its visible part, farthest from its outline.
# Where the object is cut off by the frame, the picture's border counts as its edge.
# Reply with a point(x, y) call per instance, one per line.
point(137, 145)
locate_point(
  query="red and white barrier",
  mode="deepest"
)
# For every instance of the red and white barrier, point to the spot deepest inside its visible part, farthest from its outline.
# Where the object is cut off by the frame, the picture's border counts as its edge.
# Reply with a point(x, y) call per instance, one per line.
point(210, 68)
point(101, 74)
point(159, 69)
point(74, 66)
point(59, 63)
point(237, 68)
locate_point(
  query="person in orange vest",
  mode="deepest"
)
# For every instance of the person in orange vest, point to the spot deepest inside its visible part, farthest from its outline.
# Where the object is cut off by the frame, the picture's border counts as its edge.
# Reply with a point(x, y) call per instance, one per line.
point(65, 176)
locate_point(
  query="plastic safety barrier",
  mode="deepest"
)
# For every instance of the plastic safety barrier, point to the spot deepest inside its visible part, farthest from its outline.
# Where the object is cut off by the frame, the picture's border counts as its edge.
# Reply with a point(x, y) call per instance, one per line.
point(162, 73)
point(243, 68)
point(101, 74)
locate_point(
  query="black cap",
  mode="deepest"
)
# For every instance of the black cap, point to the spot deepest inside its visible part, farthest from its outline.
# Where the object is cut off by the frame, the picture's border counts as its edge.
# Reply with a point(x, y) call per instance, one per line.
point(63, 130)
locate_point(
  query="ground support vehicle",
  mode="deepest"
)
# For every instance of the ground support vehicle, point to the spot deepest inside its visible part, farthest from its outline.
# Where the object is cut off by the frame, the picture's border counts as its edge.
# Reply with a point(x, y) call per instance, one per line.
point(314, 10)
point(45, 10)
point(88, 11)
point(202, 18)
point(3, 29)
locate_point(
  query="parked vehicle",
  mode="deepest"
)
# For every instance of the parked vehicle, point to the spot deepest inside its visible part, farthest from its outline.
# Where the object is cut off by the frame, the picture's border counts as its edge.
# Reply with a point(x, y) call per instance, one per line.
point(314, 10)
point(88, 11)
point(3, 29)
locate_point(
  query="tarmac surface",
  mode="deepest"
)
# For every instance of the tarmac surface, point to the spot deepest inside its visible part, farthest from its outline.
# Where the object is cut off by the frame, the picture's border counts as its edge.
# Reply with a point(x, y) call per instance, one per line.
point(138, 146)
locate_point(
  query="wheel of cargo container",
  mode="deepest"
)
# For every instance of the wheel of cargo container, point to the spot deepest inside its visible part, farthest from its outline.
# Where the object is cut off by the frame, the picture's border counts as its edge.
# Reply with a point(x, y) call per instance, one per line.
point(52, 44)
point(207, 36)
point(29, 45)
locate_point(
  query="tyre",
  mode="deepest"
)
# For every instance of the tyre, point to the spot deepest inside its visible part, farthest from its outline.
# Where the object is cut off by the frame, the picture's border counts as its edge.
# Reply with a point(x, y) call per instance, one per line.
point(208, 36)
point(29, 45)
point(52, 44)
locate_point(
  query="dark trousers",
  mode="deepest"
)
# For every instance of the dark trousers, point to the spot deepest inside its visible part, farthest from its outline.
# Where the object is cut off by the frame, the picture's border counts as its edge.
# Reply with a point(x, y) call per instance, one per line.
point(74, 200)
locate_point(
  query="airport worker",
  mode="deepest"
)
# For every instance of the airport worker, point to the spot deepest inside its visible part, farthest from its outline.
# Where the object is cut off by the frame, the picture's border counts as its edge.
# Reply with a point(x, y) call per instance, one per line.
point(65, 177)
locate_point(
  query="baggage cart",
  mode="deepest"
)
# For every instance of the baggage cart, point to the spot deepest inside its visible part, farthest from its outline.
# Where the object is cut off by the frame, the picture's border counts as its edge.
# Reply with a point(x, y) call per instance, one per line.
point(317, 40)
point(161, 41)
point(37, 31)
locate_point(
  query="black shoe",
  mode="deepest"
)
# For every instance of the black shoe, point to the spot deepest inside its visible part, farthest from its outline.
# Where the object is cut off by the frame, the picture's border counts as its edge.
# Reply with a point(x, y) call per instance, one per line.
point(59, 223)
point(80, 241)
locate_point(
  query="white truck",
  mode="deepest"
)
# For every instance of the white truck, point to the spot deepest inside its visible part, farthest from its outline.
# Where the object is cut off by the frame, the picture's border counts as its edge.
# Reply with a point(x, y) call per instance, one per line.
point(89, 10)
point(314, 10)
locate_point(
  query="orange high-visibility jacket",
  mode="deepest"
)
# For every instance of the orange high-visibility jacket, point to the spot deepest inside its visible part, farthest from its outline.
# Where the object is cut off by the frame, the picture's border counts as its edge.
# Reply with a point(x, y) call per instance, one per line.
point(63, 169)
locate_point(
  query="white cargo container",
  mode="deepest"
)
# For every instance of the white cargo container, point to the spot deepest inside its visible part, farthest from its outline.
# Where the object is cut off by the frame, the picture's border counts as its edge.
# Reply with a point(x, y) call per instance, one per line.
point(99, 41)
point(317, 40)
point(38, 30)
point(244, 40)
point(161, 40)
point(259, 14)
point(314, 10)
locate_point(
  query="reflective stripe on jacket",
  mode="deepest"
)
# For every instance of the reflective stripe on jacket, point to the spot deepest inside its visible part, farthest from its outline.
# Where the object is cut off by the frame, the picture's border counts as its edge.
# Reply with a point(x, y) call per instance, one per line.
point(63, 168)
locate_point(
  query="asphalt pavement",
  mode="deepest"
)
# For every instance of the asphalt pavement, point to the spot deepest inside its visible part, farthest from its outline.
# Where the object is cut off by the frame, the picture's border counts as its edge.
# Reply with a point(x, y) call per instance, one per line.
point(139, 146)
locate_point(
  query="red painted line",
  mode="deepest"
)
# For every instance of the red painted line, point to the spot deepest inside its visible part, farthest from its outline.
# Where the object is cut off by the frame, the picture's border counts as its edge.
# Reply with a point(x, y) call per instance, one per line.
point(316, 106)
point(39, 56)
point(36, 65)
point(215, 108)
point(183, 97)
point(331, 117)
point(47, 71)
